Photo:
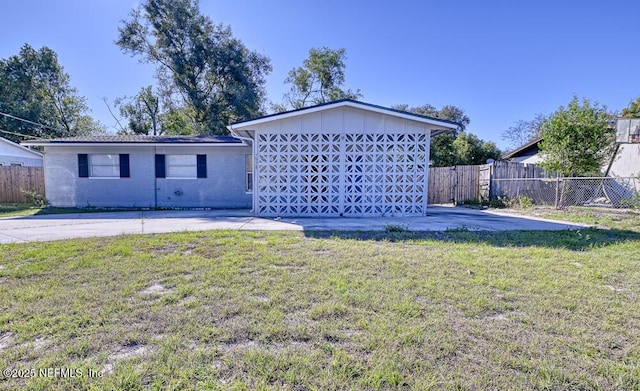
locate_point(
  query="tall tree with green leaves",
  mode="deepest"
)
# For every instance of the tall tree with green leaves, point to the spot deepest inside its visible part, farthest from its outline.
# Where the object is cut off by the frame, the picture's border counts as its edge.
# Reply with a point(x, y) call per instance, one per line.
point(35, 87)
point(318, 80)
point(447, 112)
point(633, 110)
point(470, 149)
point(141, 111)
point(213, 73)
point(442, 150)
point(577, 140)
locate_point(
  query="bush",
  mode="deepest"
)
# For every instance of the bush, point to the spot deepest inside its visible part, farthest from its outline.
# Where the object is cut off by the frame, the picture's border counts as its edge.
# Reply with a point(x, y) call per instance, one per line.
point(521, 202)
point(396, 228)
point(35, 199)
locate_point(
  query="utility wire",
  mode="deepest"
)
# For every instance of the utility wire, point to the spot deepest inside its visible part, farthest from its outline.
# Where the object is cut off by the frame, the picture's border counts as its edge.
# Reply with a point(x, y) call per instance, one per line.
point(18, 134)
point(29, 122)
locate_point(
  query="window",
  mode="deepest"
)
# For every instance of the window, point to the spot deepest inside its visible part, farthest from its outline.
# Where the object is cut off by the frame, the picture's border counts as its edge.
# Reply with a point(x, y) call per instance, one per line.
point(16, 164)
point(103, 165)
point(181, 166)
point(248, 161)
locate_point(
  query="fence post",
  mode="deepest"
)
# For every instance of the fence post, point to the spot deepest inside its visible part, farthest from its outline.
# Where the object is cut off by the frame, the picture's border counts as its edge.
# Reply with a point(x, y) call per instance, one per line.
point(557, 191)
point(455, 185)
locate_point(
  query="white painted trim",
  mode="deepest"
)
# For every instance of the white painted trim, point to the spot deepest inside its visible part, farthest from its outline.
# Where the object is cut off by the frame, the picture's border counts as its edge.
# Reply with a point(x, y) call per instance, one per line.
point(315, 109)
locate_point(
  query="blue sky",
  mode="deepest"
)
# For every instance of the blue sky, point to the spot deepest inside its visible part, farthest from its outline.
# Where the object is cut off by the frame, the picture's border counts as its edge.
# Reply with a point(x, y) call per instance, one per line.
point(500, 61)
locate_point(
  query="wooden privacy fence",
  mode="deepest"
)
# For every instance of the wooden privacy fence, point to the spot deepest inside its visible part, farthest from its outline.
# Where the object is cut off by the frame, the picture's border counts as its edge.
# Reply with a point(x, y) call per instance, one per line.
point(457, 184)
point(14, 181)
point(460, 184)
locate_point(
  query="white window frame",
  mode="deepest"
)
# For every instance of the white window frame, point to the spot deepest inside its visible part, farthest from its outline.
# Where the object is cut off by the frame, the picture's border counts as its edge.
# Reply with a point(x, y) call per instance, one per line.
point(177, 162)
point(114, 159)
point(248, 169)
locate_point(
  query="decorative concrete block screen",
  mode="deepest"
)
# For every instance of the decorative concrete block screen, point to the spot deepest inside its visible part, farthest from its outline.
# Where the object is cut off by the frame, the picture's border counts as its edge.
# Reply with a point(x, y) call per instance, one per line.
point(334, 174)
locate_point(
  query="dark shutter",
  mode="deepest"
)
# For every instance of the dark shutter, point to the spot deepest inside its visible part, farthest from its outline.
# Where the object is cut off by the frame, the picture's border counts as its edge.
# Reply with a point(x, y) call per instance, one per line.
point(160, 167)
point(202, 166)
point(124, 165)
point(83, 165)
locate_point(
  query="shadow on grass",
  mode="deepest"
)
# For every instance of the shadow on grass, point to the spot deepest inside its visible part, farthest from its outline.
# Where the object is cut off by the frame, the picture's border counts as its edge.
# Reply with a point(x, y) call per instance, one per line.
point(575, 240)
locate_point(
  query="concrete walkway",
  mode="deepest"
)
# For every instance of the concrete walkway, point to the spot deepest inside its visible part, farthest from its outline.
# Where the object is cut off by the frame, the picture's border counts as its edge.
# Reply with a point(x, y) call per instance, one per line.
point(83, 225)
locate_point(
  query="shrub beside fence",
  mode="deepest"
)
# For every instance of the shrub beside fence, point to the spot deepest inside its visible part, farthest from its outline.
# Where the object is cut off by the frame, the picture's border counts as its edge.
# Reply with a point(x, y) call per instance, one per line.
point(17, 182)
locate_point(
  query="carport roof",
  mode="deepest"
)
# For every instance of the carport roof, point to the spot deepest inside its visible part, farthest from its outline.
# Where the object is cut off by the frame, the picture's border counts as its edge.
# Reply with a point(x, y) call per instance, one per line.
point(348, 103)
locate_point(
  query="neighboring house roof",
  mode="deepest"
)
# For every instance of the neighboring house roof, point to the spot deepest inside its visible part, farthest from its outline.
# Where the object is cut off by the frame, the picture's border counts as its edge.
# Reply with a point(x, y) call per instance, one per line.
point(20, 148)
point(444, 124)
point(528, 149)
point(137, 140)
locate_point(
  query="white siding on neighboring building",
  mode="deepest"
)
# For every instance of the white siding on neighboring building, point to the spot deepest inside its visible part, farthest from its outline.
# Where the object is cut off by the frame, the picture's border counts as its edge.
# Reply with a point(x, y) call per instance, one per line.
point(532, 159)
point(12, 154)
point(626, 162)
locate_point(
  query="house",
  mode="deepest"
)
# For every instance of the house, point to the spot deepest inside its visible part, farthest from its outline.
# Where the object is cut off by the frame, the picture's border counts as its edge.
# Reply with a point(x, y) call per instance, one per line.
point(12, 154)
point(344, 158)
point(527, 153)
point(146, 171)
point(624, 163)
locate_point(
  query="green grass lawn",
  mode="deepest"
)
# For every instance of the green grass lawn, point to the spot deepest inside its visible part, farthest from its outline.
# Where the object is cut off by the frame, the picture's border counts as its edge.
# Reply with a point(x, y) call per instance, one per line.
point(295, 311)
point(626, 219)
point(14, 209)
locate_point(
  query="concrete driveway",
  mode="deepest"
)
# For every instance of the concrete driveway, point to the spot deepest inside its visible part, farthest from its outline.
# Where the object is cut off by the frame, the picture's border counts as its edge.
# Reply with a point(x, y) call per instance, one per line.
point(82, 225)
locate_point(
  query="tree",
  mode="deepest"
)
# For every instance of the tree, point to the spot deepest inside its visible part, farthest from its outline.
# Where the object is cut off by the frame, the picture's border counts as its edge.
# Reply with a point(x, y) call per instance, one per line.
point(444, 151)
point(470, 149)
point(213, 73)
point(633, 110)
point(318, 80)
point(524, 131)
point(35, 87)
point(141, 111)
point(447, 112)
point(577, 140)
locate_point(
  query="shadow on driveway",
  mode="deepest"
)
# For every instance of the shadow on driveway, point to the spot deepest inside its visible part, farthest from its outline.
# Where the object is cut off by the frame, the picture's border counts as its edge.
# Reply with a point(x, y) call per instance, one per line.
point(81, 225)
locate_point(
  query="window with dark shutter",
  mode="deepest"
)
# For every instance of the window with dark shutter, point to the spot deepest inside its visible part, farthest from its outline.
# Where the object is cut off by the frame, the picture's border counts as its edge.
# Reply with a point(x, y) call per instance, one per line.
point(124, 165)
point(83, 165)
point(202, 166)
point(161, 171)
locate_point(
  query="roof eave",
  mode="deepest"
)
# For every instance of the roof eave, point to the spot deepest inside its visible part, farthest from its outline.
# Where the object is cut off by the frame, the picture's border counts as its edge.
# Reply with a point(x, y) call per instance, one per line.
point(346, 103)
point(522, 148)
point(132, 144)
point(21, 147)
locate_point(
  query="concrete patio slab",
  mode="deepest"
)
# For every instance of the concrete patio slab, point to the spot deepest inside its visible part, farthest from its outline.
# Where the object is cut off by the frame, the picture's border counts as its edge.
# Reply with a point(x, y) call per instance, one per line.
point(83, 225)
